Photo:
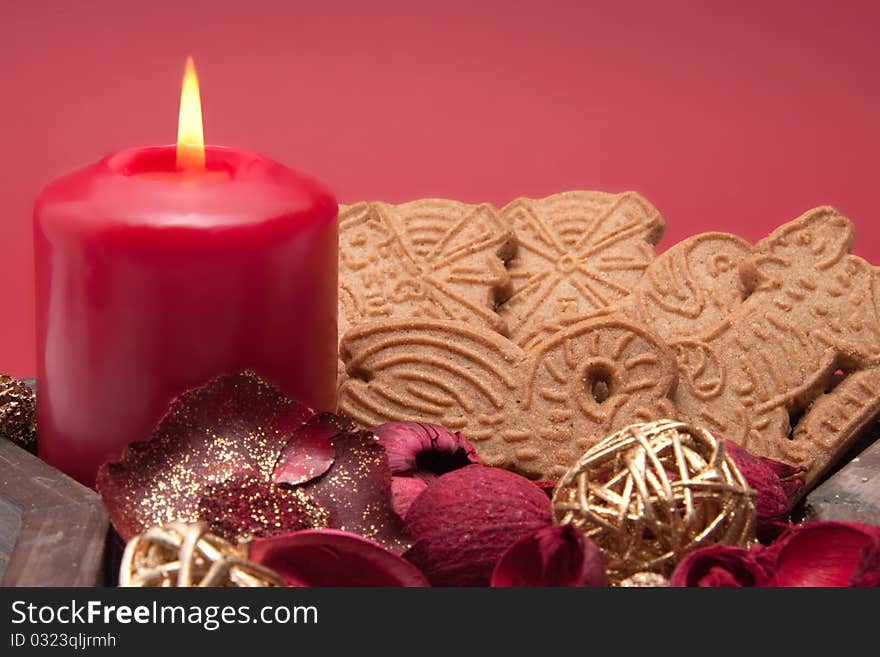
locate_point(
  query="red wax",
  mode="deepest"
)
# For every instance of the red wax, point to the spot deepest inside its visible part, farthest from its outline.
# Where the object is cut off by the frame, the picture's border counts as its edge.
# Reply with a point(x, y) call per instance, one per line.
point(152, 281)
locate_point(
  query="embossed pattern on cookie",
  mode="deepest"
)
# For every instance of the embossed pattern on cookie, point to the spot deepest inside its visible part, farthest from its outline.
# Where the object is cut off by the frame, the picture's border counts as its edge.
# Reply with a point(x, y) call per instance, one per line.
point(578, 252)
point(431, 258)
point(443, 372)
point(809, 310)
point(531, 412)
point(693, 286)
point(741, 339)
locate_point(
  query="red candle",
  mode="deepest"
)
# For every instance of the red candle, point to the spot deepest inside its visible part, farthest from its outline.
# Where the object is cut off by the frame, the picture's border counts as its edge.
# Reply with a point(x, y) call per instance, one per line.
point(160, 268)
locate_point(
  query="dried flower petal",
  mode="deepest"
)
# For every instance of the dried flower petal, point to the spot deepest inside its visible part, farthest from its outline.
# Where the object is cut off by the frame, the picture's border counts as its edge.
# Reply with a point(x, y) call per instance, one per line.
point(308, 454)
point(778, 485)
point(547, 486)
point(418, 453)
point(355, 492)
point(465, 520)
point(719, 565)
point(333, 558)
point(813, 554)
point(422, 450)
point(867, 571)
point(233, 426)
point(820, 554)
point(404, 491)
point(248, 506)
point(551, 556)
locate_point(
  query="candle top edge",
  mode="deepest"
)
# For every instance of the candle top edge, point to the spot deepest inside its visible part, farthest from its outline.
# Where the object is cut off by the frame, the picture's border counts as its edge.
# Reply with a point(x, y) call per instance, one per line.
point(142, 186)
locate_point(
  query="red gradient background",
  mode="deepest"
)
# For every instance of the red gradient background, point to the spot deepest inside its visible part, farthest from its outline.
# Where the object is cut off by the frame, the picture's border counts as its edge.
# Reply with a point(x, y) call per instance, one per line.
point(727, 115)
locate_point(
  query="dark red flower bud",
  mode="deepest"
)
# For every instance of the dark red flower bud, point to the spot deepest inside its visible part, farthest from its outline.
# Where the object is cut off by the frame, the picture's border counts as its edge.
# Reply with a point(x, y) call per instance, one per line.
point(719, 565)
point(778, 486)
point(551, 556)
point(422, 450)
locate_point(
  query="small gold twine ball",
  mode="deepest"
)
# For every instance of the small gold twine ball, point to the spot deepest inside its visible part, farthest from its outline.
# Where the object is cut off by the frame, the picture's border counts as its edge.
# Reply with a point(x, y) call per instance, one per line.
point(18, 407)
point(644, 581)
point(182, 554)
point(651, 493)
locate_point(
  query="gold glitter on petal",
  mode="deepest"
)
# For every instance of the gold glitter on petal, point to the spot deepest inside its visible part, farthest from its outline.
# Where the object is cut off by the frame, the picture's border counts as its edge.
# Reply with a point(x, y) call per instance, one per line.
point(355, 492)
point(18, 420)
point(251, 507)
point(235, 426)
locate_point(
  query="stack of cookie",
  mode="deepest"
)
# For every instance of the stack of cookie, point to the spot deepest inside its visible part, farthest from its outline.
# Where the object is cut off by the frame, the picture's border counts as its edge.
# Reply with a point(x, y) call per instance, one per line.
point(539, 328)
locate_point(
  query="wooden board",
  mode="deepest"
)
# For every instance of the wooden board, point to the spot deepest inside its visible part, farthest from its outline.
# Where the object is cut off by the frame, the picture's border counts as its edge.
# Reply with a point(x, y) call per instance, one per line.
point(852, 493)
point(53, 530)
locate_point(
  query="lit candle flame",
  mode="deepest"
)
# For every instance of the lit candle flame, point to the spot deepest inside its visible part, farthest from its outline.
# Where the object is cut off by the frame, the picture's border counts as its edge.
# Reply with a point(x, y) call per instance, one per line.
point(190, 132)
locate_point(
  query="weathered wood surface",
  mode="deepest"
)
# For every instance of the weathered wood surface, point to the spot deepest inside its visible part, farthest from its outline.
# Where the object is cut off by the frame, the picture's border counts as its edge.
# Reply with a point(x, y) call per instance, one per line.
point(53, 530)
point(852, 493)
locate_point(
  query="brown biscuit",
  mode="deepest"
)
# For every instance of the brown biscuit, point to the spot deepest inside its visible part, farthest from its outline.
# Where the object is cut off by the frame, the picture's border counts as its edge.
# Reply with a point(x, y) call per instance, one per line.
point(578, 252)
point(809, 310)
point(740, 339)
point(432, 258)
point(535, 412)
point(695, 283)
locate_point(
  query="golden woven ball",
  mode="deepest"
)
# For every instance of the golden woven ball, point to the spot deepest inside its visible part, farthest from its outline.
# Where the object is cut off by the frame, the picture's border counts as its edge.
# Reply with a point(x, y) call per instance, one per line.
point(182, 554)
point(644, 581)
point(651, 493)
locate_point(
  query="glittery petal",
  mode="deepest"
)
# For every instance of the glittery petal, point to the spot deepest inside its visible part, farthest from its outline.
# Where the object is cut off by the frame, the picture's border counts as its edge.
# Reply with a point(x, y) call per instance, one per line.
point(249, 506)
point(333, 558)
point(309, 453)
point(18, 420)
point(356, 490)
point(234, 426)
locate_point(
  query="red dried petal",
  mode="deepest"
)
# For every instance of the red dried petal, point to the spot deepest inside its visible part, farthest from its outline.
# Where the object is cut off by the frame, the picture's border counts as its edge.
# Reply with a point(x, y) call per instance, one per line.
point(769, 530)
point(248, 506)
point(777, 484)
point(423, 450)
point(404, 491)
point(233, 426)
point(547, 486)
point(551, 556)
point(308, 454)
point(867, 571)
point(333, 558)
point(820, 553)
point(718, 577)
point(355, 492)
point(465, 520)
point(719, 565)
